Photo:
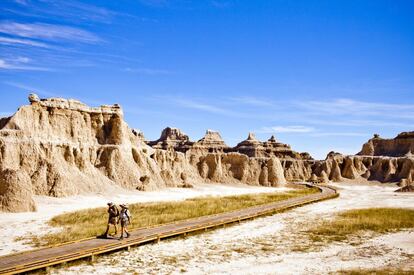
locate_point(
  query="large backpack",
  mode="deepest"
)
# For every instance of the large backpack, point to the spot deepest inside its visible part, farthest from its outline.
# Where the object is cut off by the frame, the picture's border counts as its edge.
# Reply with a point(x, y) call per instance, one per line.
point(116, 211)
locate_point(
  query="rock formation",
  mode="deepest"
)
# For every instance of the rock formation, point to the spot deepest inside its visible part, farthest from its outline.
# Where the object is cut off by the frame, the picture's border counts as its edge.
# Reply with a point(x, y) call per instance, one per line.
point(172, 138)
point(400, 146)
point(212, 142)
point(60, 147)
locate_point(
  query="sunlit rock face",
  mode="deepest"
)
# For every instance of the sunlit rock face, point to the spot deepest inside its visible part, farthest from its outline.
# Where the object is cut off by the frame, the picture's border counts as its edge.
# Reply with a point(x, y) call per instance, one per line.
point(172, 138)
point(400, 146)
point(59, 147)
point(270, 148)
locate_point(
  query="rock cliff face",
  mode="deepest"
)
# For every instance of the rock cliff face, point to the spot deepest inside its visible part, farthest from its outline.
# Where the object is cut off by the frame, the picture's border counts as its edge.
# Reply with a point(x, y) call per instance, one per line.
point(372, 168)
point(400, 146)
point(59, 147)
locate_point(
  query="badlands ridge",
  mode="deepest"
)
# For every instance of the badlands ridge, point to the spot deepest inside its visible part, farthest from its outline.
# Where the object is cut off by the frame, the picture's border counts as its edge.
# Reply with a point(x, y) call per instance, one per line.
point(58, 147)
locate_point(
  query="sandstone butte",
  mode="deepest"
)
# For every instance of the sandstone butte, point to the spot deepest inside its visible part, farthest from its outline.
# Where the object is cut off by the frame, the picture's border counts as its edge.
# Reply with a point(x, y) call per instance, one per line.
point(58, 147)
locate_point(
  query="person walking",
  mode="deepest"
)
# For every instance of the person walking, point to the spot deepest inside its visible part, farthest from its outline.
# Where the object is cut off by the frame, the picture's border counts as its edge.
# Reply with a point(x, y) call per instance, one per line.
point(125, 220)
point(113, 214)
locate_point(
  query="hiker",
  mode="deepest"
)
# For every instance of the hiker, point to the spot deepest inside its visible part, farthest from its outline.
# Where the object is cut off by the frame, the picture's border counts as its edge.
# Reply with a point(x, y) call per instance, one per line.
point(112, 218)
point(124, 219)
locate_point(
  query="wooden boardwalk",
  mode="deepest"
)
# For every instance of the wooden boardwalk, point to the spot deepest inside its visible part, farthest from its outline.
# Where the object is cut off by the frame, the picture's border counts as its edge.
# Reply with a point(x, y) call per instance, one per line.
point(49, 256)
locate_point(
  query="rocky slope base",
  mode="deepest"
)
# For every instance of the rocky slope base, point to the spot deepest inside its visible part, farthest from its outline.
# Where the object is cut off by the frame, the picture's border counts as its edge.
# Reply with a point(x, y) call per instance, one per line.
point(60, 147)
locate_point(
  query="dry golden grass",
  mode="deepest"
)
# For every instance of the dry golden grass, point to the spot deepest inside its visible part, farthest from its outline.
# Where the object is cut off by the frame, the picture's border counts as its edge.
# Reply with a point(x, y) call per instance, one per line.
point(384, 271)
point(92, 222)
point(380, 220)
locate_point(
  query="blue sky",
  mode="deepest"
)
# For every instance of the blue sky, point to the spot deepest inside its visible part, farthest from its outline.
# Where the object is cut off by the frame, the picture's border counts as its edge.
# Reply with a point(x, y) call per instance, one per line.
point(320, 75)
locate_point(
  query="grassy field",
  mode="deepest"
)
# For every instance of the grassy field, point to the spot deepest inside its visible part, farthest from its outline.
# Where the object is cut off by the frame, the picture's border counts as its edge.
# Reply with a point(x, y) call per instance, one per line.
point(347, 223)
point(92, 222)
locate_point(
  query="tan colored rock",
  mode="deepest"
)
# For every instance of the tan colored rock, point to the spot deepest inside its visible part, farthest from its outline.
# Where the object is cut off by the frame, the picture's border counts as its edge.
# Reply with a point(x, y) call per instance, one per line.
point(60, 147)
point(33, 98)
point(324, 177)
point(251, 147)
point(336, 174)
point(400, 146)
point(271, 148)
point(16, 191)
point(276, 173)
point(172, 138)
point(406, 188)
point(67, 148)
point(212, 142)
point(349, 170)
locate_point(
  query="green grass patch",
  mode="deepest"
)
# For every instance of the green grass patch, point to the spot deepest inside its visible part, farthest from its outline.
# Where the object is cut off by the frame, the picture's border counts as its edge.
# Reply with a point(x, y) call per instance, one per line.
point(92, 222)
point(351, 222)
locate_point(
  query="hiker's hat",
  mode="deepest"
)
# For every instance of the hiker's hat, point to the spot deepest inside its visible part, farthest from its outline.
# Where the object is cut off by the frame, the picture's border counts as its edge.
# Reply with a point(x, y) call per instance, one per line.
point(124, 205)
point(110, 203)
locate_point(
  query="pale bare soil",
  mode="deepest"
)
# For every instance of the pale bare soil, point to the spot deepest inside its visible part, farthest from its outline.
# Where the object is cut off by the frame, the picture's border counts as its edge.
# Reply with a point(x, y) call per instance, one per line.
point(275, 244)
point(16, 228)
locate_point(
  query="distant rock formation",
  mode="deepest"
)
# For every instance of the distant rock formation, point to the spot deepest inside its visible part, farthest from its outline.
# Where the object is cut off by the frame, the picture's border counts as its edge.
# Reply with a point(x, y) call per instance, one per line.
point(172, 138)
point(400, 146)
point(251, 147)
point(212, 142)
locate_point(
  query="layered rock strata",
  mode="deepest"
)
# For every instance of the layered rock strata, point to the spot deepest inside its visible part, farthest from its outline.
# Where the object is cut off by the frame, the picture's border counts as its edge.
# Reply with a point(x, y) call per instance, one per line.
point(400, 146)
point(270, 148)
point(212, 142)
point(60, 147)
point(172, 138)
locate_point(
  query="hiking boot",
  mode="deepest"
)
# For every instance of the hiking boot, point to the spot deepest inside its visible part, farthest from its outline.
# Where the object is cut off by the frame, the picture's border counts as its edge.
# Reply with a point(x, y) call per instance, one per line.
point(128, 235)
point(121, 238)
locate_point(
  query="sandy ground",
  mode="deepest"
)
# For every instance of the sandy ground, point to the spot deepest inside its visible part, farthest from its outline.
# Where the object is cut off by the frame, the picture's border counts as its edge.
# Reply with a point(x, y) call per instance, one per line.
point(271, 245)
point(14, 226)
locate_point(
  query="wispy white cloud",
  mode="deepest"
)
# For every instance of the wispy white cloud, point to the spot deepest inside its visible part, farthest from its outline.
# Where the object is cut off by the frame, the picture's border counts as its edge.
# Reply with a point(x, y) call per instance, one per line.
point(188, 103)
point(29, 88)
point(346, 122)
point(339, 134)
point(19, 63)
point(253, 101)
point(346, 106)
point(148, 71)
point(154, 3)
point(21, 2)
point(64, 10)
point(48, 32)
point(47, 93)
point(17, 41)
point(286, 129)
